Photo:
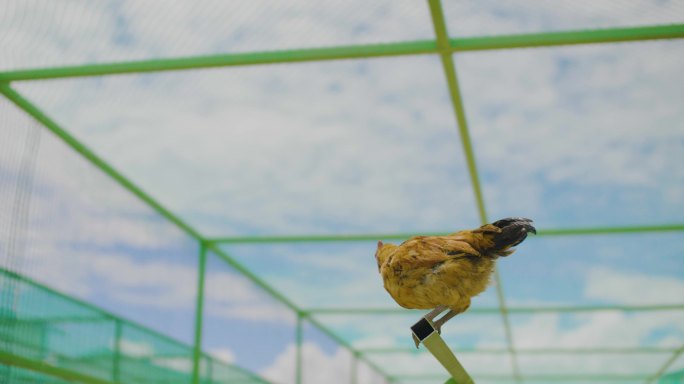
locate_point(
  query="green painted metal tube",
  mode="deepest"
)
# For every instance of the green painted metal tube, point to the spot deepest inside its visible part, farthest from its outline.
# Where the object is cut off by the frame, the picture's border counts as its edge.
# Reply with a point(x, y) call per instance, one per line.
point(226, 60)
point(312, 238)
point(529, 351)
point(463, 44)
point(199, 312)
point(116, 364)
point(550, 39)
point(449, 67)
point(404, 236)
point(299, 339)
point(354, 370)
point(457, 102)
point(611, 230)
point(47, 369)
point(354, 311)
point(65, 319)
point(560, 377)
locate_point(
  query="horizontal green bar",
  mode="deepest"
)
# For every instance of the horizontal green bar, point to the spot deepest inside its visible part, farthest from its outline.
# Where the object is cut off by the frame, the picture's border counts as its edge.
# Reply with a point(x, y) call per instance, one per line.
point(56, 320)
point(529, 351)
point(404, 236)
point(353, 52)
point(558, 377)
point(315, 238)
point(47, 369)
point(612, 230)
point(612, 35)
point(226, 60)
point(495, 310)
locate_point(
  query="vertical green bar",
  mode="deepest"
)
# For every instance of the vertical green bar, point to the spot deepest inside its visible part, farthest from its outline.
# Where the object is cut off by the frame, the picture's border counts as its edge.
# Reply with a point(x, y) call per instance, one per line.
point(299, 336)
point(354, 369)
point(116, 366)
point(210, 370)
point(199, 314)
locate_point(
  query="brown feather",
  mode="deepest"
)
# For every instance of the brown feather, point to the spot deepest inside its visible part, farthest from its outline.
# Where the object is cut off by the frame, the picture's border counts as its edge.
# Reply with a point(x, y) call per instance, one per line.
point(427, 271)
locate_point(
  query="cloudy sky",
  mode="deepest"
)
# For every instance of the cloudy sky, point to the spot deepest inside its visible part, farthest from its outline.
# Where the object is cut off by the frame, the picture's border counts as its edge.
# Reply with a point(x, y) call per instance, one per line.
point(572, 137)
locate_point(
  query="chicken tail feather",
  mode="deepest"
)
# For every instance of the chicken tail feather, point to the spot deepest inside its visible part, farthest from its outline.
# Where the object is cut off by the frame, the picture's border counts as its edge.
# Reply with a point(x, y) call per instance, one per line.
point(513, 231)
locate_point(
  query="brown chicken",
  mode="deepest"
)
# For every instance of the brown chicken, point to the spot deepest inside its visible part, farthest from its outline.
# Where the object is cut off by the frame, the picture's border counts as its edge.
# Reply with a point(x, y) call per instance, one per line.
point(444, 272)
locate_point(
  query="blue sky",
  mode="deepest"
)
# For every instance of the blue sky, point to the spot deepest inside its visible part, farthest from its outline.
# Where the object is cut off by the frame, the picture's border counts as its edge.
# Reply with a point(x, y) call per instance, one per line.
point(571, 137)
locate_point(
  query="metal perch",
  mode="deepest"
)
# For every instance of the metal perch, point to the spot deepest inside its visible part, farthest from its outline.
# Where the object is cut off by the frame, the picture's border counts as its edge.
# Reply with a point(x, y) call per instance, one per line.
point(424, 332)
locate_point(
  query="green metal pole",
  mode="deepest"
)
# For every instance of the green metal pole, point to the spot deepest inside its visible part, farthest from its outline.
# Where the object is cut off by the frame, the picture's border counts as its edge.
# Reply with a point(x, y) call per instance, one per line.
point(351, 311)
point(579, 378)
point(444, 45)
point(354, 374)
point(531, 351)
point(462, 44)
point(199, 312)
point(116, 366)
point(404, 236)
point(299, 338)
point(47, 369)
point(554, 39)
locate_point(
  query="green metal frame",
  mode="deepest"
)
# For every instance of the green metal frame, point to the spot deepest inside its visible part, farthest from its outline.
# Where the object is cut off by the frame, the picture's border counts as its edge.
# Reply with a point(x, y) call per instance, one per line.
point(445, 47)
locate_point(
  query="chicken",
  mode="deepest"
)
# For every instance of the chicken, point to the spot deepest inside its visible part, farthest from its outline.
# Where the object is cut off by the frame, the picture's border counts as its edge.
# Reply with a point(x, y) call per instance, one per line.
point(444, 272)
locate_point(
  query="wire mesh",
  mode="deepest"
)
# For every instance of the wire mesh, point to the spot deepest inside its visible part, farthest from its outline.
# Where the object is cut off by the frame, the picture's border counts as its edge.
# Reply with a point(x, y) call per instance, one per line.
point(244, 325)
point(121, 255)
point(323, 358)
point(477, 18)
point(339, 173)
point(81, 237)
point(597, 98)
point(37, 34)
point(116, 244)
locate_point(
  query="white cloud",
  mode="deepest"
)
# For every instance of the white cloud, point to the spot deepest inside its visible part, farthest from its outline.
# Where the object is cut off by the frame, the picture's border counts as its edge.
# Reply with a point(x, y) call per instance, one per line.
point(635, 288)
point(143, 350)
point(604, 329)
point(233, 296)
point(225, 355)
point(347, 156)
point(135, 349)
point(318, 366)
point(314, 147)
point(180, 364)
point(580, 131)
point(57, 33)
point(476, 18)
